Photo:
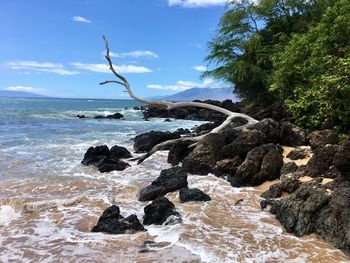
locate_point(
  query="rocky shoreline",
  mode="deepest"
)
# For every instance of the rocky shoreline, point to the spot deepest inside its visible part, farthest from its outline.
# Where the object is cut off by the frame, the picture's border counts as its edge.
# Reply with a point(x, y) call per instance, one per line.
point(309, 198)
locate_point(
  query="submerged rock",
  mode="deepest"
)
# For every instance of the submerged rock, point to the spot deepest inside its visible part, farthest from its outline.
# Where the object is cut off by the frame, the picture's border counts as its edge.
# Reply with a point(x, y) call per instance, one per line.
point(158, 211)
point(169, 180)
point(113, 223)
point(106, 160)
point(115, 116)
point(194, 194)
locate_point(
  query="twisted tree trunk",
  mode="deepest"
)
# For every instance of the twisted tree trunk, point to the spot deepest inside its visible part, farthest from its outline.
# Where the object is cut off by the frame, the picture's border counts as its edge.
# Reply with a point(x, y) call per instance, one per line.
point(172, 105)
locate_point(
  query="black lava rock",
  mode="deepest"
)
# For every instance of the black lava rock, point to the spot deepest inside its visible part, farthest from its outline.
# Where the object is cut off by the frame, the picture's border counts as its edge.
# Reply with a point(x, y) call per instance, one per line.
point(194, 194)
point(169, 180)
point(113, 223)
point(158, 211)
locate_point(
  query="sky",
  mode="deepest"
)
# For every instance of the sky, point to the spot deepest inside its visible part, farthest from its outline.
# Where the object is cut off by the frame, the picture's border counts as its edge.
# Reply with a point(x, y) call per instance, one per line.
point(55, 47)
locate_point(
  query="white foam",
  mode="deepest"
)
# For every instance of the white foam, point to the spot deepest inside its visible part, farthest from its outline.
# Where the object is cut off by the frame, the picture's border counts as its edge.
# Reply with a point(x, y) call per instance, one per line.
point(8, 214)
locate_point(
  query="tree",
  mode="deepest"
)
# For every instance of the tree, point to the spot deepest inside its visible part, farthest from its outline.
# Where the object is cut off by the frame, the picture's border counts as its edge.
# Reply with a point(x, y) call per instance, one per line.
point(171, 105)
point(312, 72)
point(248, 36)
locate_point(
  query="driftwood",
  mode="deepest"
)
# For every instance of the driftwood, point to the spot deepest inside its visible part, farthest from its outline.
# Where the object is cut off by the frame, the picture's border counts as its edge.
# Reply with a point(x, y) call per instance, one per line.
point(172, 105)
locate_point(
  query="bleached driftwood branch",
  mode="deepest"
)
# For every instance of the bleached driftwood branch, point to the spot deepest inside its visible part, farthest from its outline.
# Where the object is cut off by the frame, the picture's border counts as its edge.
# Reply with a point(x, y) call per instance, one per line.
point(172, 105)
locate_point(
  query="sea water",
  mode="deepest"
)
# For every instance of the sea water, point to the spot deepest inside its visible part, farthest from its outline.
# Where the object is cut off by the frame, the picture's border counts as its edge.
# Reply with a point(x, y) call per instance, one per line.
point(49, 202)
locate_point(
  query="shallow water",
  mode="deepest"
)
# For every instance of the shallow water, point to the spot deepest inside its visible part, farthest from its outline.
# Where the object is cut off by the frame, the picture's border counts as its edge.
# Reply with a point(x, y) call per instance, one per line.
point(49, 201)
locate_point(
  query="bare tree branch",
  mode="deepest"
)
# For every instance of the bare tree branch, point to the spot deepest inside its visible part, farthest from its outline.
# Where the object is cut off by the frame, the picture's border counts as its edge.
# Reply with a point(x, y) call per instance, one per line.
point(172, 105)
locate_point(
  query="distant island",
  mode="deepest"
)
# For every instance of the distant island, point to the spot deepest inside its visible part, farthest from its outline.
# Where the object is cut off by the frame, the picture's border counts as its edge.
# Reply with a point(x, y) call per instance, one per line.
point(19, 94)
point(220, 94)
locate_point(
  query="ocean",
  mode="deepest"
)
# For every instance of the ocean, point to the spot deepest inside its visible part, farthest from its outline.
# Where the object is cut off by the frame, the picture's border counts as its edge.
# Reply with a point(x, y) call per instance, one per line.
point(49, 202)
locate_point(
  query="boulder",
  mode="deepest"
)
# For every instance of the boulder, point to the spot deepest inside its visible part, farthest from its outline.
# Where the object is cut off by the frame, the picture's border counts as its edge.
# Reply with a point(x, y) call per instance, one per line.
point(205, 127)
point(319, 209)
point(204, 157)
point(194, 194)
point(158, 211)
point(113, 223)
point(342, 159)
point(292, 135)
point(289, 185)
point(95, 155)
point(146, 141)
point(106, 160)
point(289, 167)
point(262, 163)
point(227, 167)
point(270, 128)
point(297, 154)
point(169, 180)
point(178, 152)
point(319, 164)
point(245, 141)
point(322, 138)
point(119, 152)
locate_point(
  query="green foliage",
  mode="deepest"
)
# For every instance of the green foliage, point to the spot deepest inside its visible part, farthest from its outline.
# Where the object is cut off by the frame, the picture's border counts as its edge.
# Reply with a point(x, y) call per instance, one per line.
point(296, 51)
point(248, 36)
point(312, 72)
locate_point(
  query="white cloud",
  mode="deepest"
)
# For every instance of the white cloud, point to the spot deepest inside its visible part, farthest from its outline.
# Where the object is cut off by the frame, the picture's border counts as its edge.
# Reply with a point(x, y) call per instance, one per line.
point(30, 65)
point(197, 3)
point(200, 68)
point(103, 68)
point(81, 19)
point(25, 89)
point(134, 54)
point(184, 85)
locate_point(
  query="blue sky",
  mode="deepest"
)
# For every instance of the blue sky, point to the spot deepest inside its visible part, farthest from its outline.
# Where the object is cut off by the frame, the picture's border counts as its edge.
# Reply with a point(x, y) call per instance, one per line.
point(55, 47)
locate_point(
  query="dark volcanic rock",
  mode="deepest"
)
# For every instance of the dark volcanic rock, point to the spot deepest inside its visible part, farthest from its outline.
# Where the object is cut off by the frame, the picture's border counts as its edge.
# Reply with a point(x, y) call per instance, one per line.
point(292, 135)
point(342, 159)
point(194, 194)
point(169, 180)
point(205, 127)
point(94, 155)
point(190, 113)
point(204, 157)
point(81, 116)
point(158, 211)
point(115, 116)
point(270, 128)
point(289, 185)
point(322, 159)
point(113, 223)
point(263, 163)
point(297, 154)
point(106, 160)
point(119, 152)
point(315, 209)
point(146, 141)
point(321, 138)
point(178, 152)
point(289, 167)
point(246, 141)
point(109, 165)
point(227, 166)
